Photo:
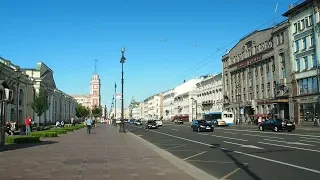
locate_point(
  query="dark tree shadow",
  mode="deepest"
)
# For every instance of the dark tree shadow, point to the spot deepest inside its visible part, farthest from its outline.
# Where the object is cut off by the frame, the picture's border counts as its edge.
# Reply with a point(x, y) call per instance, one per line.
point(240, 165)
point(9, 147)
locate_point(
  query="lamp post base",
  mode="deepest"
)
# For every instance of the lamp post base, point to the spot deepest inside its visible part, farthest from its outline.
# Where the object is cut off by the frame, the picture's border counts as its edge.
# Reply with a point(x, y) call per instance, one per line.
point(122, 129)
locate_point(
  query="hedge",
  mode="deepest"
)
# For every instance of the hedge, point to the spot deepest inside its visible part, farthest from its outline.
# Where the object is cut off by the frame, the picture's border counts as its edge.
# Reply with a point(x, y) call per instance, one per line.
point(58, 131)
point(44, 134)
point(21, 139)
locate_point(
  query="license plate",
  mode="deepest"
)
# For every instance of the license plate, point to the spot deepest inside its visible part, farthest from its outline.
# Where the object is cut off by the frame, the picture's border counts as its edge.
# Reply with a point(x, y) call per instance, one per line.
point(153, 126)
point(208, 128)
point(289, 124)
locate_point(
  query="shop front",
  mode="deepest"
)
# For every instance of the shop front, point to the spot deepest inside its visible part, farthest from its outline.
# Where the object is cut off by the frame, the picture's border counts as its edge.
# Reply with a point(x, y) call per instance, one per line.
point(308, 107)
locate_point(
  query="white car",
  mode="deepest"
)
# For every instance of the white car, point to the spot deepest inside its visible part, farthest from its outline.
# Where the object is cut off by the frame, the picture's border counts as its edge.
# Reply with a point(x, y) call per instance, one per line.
point(159, 123)
point(118, 121)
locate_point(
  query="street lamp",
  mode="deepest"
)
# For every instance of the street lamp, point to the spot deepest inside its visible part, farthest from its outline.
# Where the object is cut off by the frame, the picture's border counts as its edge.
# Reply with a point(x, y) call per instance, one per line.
point(18, 75)
point(239, 99)
point(196, 107)
point(115, 101)
point(122, 61)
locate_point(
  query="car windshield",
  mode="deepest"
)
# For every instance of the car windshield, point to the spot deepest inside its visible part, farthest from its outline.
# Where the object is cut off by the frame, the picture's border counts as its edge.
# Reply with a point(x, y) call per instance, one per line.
point(202, 122)
point(151, 121)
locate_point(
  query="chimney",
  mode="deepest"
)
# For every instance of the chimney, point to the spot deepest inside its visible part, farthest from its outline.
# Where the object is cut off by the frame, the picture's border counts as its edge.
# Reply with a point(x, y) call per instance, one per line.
point(290, 6)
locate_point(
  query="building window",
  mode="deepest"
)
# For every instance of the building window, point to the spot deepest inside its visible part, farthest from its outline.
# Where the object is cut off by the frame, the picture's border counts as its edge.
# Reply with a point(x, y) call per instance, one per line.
point(298, 65)
point(304, 41)
point(284, 73)
point(278, 39)
point(282, 37)
point(314, 60)
point(310, 20)
point(302, 26)
point(308, 85)
point(312, 43)
point(295, 28)
point(268, 77)
point(297, 46)
point(306, 65)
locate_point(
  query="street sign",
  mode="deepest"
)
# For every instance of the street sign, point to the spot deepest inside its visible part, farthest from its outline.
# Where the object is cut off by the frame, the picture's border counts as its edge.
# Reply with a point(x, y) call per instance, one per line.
point(118, 96)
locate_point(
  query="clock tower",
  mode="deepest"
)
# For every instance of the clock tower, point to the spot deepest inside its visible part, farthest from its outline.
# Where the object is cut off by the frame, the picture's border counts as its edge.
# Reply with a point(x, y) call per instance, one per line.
point(95, 86)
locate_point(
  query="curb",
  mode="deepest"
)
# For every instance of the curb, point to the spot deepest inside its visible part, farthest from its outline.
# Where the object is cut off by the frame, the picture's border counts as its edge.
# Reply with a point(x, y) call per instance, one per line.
point(179, 163)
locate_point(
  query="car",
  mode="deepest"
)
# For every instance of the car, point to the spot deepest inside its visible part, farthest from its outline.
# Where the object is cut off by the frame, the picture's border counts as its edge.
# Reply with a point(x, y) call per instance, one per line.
point(131, 121)
point(118, 121)
point(277, 125)
point(201, 125)
point(151, 124)
point(138, 122)
point(178, 121)
point(159, 123)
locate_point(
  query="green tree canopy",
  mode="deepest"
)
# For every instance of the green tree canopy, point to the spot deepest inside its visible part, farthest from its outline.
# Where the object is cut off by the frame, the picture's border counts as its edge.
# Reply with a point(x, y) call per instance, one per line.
point(82, 111)
point(96, 111)
point(40, 102)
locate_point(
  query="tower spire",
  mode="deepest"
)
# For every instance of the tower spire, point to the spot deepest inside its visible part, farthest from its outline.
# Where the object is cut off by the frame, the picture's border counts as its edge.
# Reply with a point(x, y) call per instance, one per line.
point(95, 66)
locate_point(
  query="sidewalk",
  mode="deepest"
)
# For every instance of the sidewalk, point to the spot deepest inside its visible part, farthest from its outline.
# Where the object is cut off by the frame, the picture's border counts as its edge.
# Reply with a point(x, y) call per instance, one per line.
point(105, 154)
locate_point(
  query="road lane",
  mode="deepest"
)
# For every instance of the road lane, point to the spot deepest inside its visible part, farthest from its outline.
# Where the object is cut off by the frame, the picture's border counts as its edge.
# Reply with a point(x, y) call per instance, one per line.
point(185, 132)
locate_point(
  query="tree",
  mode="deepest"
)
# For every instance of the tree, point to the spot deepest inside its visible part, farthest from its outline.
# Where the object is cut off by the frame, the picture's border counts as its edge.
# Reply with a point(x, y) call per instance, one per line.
point(96, 111)
point(81, 111)
point(40, 103)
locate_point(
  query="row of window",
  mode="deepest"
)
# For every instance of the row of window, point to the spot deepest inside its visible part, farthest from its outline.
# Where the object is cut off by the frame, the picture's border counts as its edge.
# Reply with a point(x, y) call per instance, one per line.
point(306, 63)
point(308, 85)
point(303, 23)
point(307, 42)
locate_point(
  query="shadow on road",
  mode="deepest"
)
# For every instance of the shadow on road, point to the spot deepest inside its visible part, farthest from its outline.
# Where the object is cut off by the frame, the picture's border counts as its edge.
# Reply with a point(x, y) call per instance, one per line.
point(10, 147)
point(240, 165)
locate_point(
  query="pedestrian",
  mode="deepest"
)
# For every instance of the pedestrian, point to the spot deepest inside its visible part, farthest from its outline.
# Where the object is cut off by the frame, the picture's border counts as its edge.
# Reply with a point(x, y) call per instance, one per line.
point(89, 124)
point(72, 122)
point(28, 125)
point(62, 123)
point(316, 120)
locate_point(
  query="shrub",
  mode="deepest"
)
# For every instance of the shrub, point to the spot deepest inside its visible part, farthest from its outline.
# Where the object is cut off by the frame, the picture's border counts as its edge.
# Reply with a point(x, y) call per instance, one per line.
point(58, 131)
point(21, 139)
point(68, 129)
point(44, 134)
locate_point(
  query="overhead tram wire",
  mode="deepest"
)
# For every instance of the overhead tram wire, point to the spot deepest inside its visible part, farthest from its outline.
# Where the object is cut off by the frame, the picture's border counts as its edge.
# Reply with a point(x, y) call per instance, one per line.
point(219, 49)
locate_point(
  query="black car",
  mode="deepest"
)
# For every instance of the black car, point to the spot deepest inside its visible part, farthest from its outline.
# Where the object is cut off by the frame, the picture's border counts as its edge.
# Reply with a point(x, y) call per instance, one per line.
point(201, 125)
point(277, 125)
point(151, 124)
point(178, 121)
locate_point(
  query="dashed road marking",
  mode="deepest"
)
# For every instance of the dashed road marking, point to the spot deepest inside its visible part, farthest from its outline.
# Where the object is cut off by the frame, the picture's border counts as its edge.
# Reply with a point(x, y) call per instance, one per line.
point(194, 155)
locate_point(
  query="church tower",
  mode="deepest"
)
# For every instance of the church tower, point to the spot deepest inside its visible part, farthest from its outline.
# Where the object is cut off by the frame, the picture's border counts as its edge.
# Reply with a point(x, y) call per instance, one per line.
point(95, 87)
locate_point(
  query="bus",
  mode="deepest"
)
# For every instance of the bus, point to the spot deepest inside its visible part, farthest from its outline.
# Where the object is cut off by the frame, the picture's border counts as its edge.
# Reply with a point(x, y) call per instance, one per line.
point(221, 118)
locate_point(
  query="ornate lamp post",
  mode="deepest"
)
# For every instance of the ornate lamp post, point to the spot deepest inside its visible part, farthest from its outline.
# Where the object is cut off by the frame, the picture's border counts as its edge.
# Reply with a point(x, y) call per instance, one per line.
point(122, 61)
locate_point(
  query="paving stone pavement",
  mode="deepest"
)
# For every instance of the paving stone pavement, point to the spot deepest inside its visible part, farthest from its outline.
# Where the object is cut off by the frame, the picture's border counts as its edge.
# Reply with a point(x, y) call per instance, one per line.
point(104, 154)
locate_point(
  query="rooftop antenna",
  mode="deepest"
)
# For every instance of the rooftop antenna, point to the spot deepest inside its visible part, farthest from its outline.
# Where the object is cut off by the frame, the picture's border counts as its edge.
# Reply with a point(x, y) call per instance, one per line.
point(95, 66)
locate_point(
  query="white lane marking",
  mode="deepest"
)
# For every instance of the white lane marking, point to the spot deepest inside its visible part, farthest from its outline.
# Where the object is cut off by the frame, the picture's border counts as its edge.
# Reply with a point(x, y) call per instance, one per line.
point(295, 143)
point(309, 138)
point(224, 137)
point(229, 138)
point(220, 162)
point(194, 155)
point(305, 149)
point(238, 152)
point(230, 133)
point(317, 142)
point(174, 129)
point(278, 133)
point(244, 145)
point(262, 136)
point(176, 147)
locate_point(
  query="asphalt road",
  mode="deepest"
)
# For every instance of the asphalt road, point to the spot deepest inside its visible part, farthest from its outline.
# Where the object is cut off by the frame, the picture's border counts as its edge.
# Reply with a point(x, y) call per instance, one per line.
point(236, 153)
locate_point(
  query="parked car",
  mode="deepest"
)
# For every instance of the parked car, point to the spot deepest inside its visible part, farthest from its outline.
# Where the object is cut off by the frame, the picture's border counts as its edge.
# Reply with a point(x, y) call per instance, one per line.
point(118, 121)
point(277, 125)
point(159, 123)
point(138, 122)
point(201, 125)
point(131, 121)
point(178, 121)
point(151, 124)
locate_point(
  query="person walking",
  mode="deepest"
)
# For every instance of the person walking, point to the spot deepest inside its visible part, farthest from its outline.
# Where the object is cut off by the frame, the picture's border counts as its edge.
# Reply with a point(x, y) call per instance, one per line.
point(89, 124)
point(28, 125)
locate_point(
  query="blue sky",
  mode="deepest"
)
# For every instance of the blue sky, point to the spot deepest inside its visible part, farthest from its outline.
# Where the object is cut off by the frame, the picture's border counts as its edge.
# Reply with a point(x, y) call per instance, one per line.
point(163, 39)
